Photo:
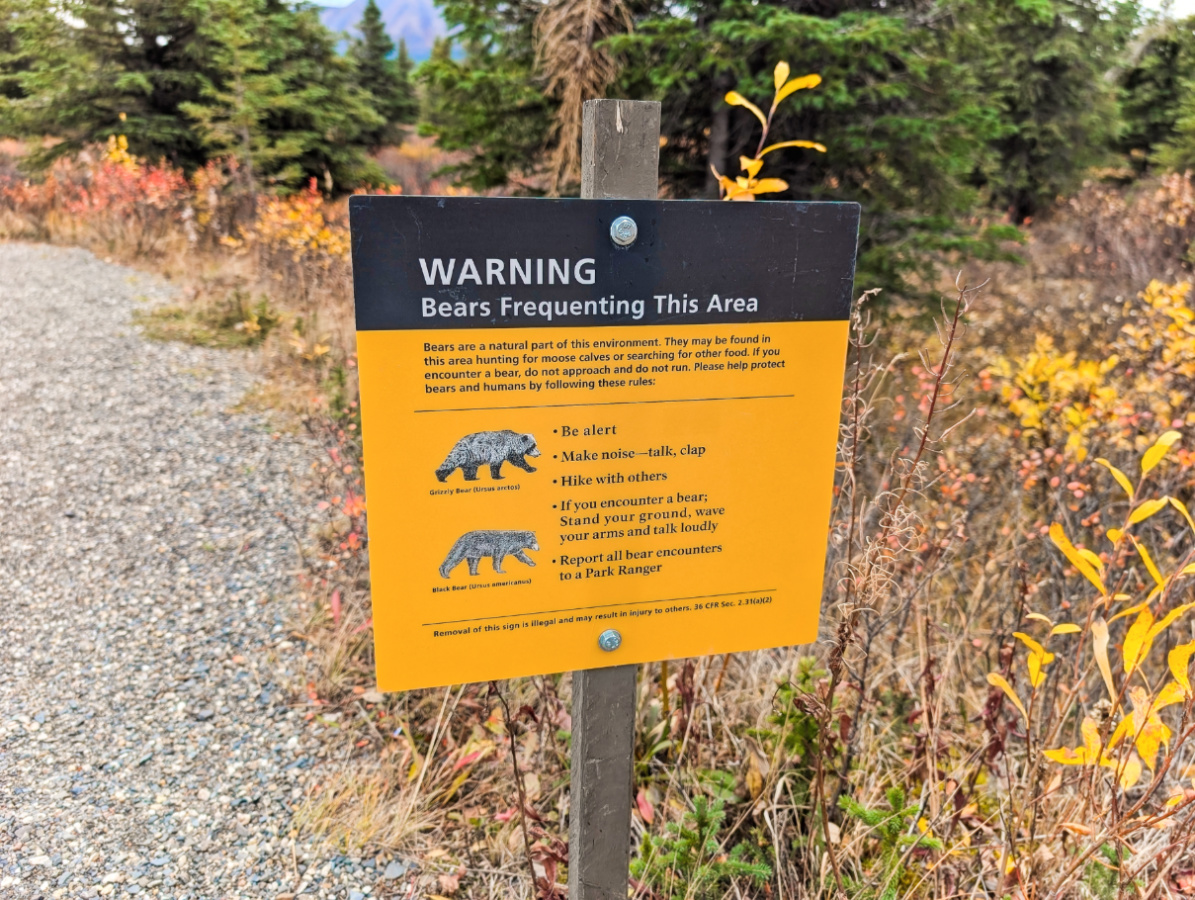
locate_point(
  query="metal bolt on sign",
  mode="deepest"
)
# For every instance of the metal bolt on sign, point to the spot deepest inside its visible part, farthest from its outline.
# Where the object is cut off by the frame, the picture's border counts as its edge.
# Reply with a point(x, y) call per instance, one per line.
point(623, 231)
point(609, 640)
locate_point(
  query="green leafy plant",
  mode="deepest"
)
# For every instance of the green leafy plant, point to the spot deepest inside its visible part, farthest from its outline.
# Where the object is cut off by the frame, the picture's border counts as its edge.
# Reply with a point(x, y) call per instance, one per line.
point(794, 723)
point(234, 321)
point(688, 862)
point(897, 834)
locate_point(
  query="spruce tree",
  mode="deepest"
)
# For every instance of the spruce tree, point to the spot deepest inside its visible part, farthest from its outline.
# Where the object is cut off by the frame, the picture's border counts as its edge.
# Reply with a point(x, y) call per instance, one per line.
point(235, 106)
point(195, 79)
point(1043, 63)
point(407, 106)
point(1177, 153)
point(489, 102)
point(326, 118)
point(13, 57)
point(1153, 85)
point(381, 77)
point(87, 62)
point(280, 99)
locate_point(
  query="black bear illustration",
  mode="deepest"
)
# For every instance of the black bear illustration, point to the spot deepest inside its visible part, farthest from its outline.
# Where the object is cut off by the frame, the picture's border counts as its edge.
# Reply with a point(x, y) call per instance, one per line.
point(488, 448)
point(497, 544)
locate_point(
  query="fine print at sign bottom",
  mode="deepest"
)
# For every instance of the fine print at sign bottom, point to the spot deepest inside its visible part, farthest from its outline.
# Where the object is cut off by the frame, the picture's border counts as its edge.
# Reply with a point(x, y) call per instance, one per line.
point(670, 481)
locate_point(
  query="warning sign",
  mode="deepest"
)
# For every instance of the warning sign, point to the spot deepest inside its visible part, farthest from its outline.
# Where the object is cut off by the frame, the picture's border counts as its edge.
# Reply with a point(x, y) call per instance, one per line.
point(594, 416)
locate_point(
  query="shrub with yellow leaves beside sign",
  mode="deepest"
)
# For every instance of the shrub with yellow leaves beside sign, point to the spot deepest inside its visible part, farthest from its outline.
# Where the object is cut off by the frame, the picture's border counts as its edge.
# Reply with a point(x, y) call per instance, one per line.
point(1124, 733)
point(750, 186)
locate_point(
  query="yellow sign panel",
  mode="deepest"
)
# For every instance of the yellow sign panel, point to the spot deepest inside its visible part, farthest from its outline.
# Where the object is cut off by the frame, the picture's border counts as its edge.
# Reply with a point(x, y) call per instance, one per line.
point(533, 488)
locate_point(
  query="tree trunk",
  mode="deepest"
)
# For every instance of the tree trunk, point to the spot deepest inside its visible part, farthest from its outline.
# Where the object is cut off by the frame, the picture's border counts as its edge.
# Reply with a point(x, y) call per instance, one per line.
point(719, 135)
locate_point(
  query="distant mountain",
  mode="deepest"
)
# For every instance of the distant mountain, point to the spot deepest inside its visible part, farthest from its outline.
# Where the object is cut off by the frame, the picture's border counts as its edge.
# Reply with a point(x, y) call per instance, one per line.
point(417, 21)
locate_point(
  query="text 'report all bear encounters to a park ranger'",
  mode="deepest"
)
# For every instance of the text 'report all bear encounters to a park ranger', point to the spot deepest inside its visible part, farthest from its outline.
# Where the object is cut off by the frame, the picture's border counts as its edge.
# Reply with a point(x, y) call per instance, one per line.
point(564, 435)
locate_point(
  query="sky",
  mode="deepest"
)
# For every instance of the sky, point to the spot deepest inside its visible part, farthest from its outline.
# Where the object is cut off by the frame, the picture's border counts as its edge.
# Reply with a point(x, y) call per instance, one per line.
point(1181, 8)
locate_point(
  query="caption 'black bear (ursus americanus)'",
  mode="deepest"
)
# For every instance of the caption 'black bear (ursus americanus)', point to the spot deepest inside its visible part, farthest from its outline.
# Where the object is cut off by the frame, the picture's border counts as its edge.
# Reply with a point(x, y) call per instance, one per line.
point(497, 544)
point(488, 448)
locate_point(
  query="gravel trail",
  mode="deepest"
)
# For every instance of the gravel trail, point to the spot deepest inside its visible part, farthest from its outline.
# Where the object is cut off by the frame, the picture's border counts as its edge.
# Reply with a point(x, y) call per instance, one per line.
point(147, 744)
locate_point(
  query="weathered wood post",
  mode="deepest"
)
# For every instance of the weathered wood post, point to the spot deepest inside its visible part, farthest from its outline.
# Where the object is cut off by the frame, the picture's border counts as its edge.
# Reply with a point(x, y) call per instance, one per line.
point(620, 154)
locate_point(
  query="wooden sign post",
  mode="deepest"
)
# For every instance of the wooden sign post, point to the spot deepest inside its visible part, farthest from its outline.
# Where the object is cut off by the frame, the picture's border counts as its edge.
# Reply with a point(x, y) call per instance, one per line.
point(620, 154)
point(598, 432)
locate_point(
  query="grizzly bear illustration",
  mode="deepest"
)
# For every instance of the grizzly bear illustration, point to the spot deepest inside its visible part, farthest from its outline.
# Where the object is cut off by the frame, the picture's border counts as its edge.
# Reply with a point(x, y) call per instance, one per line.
point(497, 544)
point(488, 448)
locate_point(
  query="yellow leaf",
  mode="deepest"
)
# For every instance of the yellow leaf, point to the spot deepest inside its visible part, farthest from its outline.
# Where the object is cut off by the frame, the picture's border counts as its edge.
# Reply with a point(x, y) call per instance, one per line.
point(808, 145)
point(1065, 628)
point(780, 74)
point(1030, 643)
point(455, 786)
point(1181, 507)
point(1138, 640)
point(1130, 773)
point(798, 84)
point(1121, 478)
point(750, 166)
point(1167, 620)
point(1125, 727)
point(1154, 454)
point(769, 186)
point(1114, 535)
point(1171, 694)
point(1188, 570)
point(1037, 660)
point(1091, 738)
point(1099, 645)
point(1096, 562)
point(1147, 509)
point(728, 184)
point(754, 777)
point(1039, 617)
point(997, 680)
point(1037, 667)
point(1179, 660)
point(1148, 560)
point(1058, 536)
point(1067, 757)
point(1150, 740)
point(1080, 756)
point(734, 98)
point(1129, 611)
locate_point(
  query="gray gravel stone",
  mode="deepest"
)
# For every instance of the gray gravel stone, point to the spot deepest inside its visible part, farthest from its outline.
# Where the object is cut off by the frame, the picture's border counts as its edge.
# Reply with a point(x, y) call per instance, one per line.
point(146, 592)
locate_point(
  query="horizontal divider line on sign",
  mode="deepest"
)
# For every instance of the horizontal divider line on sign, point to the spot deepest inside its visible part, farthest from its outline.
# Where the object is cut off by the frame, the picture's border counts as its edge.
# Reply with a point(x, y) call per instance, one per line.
point(548, 612)
point(610, 403)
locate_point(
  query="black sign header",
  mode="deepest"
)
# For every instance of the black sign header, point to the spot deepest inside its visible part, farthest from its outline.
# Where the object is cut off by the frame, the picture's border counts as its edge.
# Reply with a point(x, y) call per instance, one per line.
point(475, 262)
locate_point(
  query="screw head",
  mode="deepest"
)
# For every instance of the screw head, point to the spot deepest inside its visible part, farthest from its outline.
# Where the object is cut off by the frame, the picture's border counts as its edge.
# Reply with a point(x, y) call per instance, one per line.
point(623, 231)
point(609, 640)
